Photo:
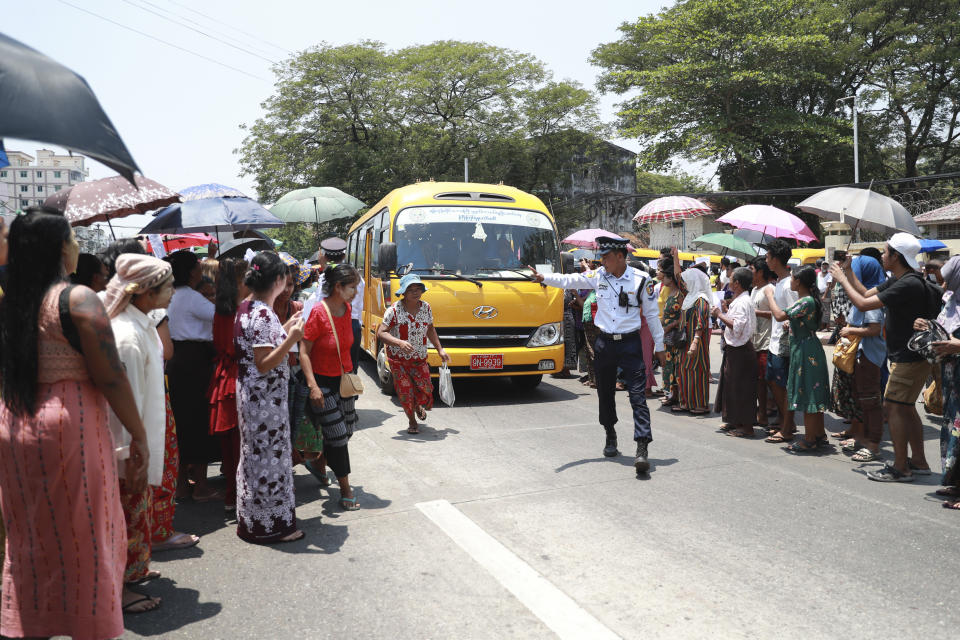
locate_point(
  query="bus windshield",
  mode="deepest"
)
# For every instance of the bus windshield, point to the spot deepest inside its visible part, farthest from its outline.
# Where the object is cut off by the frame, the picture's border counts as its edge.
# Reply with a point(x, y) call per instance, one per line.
point(479, 242)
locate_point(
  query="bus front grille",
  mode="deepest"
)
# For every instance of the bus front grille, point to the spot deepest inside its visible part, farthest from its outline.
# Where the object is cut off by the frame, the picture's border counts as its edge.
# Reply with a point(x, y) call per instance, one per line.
point(477, 338)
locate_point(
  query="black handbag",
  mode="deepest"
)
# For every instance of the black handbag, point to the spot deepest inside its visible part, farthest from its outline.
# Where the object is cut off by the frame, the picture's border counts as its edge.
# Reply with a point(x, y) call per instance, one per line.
point(922, 341)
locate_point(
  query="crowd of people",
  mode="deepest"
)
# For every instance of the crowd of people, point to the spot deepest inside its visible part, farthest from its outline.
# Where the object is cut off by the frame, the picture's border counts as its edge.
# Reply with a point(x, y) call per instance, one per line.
point(896, 327)
point(124, 376)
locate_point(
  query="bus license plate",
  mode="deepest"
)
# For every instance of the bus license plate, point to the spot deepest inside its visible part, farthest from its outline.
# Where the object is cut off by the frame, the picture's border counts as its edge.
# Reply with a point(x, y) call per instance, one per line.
point(486, 362)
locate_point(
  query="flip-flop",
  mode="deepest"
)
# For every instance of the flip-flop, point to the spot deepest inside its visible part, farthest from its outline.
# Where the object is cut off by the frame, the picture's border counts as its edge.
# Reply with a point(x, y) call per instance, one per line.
point(349, 504)
point(151, 575)
point(951, 505)
point(776, 438)
point(178, 540)
point(739, 434)
point(128, 608)
point(413, 430)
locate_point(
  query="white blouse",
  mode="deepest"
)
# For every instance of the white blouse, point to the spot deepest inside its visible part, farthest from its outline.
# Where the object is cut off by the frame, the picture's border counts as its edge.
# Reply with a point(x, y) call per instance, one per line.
point(141, 353)
point(191, 315)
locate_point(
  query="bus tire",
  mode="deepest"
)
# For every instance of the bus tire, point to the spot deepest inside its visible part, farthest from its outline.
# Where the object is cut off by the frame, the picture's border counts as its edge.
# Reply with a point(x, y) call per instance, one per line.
point(526, 382)
point(384, 377)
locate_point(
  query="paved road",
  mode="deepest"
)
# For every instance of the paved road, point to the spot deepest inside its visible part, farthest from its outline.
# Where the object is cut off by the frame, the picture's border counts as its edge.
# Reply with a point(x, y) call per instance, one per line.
point(502, 519)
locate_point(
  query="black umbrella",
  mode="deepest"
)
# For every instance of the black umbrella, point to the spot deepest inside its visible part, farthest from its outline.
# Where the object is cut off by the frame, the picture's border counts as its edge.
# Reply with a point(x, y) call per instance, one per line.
point(42, 100)
point(238, 248)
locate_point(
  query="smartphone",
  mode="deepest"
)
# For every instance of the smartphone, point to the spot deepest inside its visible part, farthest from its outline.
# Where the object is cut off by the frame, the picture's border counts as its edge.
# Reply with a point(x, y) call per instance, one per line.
point(840, 255)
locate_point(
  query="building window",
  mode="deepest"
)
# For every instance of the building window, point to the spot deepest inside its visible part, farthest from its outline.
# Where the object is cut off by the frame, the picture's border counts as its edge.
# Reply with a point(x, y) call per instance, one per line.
point(39, 202)
point(57, 188)
point(39, 188)
point(56, 174)
point(39, 174)
point(23, 174)
point(947, 231)
point(24, 203)
point(3, 174)
point(24, 188)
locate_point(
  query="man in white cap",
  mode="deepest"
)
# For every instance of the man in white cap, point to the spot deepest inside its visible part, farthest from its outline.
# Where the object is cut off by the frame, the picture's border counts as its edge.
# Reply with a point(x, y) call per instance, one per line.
point(626, 299)
point(906, 297)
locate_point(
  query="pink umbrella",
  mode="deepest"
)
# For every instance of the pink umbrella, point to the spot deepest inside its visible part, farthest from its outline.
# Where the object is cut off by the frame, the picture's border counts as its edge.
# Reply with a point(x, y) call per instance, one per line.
point(671, 208)
point(770, 221)
point(175, 242)
point(587, 238)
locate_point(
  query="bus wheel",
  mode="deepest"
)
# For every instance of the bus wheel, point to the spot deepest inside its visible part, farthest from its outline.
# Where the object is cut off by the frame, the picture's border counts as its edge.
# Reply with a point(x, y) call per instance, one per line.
point(526, 382)
point(384, 377)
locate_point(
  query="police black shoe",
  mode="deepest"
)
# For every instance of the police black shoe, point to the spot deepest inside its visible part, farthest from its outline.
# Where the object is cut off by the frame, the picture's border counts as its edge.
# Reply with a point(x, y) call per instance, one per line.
point(640, 463)
point(610, 450)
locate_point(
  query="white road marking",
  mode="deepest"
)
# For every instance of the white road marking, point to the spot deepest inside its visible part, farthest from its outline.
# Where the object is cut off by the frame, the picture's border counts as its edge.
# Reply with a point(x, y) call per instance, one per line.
point(556, 609)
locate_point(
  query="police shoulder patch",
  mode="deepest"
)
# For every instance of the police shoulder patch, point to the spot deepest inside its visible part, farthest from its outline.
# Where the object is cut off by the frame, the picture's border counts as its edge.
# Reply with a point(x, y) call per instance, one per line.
point(591, 274)
point(651, 287)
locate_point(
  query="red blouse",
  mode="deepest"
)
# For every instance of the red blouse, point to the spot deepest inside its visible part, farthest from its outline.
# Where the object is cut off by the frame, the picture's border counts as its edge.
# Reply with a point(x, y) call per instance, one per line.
point(323, 356)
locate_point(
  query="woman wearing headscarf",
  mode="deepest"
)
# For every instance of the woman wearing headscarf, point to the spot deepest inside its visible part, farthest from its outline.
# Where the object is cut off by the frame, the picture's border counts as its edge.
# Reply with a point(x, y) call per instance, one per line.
point(693, 378)
point(857, 395)
point(59, 370)
point(949, 318)
point(141, 284)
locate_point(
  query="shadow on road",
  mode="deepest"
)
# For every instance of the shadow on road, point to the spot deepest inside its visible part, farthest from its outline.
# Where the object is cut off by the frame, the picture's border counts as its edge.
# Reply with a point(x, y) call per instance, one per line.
point(427, 434)
point(331, 506)
point(625, 460)
point(180, 607)
point(370, 418)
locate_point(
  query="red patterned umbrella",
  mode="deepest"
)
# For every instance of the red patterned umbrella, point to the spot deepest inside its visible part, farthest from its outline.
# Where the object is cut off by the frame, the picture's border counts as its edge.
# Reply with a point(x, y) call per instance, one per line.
point(671, 208)
point(102, 200)
point(183, 241)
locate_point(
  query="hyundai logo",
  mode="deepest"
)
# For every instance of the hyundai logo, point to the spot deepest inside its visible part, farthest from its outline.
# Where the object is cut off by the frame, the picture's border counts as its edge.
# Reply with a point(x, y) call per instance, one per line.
point(485, 312)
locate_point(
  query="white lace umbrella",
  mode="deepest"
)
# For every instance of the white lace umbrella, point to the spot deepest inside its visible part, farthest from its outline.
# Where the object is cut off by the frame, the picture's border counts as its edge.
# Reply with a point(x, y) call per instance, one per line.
point(868, 210)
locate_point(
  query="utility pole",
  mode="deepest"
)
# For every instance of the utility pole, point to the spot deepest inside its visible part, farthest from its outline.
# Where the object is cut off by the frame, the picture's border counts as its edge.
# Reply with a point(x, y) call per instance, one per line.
point(466, 169)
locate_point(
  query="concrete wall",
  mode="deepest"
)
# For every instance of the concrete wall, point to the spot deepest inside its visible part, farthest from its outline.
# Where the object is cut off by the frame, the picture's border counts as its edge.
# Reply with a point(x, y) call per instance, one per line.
point(671, 234)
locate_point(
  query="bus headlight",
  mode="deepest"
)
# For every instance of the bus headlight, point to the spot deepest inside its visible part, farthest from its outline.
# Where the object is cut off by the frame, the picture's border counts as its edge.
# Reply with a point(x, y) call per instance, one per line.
point(546, 335)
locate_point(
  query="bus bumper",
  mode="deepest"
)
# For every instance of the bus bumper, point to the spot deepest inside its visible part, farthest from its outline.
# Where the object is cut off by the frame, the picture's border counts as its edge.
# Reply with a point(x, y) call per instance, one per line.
point(517, 361)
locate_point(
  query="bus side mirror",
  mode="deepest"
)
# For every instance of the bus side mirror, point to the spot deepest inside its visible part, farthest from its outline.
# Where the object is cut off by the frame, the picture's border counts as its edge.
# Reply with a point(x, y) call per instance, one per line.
point(567, 263)
point(387, 257)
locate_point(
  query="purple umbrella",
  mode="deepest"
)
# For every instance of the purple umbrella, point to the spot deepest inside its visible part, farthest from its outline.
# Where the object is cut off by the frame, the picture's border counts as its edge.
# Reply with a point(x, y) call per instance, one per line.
point(769, 221)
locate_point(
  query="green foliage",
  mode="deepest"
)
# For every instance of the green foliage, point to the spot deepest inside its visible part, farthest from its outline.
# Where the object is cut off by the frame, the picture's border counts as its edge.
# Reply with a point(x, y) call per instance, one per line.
point(755, 84)
point(674, 182)
point(367, 120)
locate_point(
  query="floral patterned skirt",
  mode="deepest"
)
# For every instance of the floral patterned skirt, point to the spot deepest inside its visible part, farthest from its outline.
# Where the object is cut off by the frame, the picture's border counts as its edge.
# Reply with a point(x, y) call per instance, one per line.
point(842, 400)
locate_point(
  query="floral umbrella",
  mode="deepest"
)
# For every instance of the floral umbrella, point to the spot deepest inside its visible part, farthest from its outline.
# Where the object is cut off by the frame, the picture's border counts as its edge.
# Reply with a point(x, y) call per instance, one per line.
point(671, 208)
point(109, 198)
point(587, 238)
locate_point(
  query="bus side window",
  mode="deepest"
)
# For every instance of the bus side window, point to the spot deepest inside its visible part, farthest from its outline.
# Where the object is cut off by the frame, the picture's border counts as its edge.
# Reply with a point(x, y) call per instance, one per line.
point(352, 248)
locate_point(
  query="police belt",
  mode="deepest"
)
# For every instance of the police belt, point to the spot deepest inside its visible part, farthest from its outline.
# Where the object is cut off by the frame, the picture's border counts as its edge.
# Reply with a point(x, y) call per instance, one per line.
point(621, 336)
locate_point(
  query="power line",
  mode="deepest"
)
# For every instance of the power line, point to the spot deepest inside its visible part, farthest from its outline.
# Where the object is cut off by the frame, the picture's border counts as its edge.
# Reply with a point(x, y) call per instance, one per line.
point(203, 33)
point(161, 41)
point(218, 21)
point(253, 46)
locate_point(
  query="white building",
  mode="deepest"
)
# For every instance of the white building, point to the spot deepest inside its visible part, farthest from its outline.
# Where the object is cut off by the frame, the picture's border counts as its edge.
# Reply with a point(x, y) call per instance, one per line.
point(29, 181)
point(679, 233)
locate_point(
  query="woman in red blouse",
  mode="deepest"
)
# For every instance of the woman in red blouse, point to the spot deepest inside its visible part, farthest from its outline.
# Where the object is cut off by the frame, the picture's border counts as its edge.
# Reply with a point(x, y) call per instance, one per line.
point(406, 327)
point(324, 356)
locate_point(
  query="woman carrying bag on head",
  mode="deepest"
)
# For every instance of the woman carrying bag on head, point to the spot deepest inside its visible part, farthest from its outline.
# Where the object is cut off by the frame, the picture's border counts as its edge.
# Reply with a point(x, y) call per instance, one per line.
point(324, 358)
point(406, 327)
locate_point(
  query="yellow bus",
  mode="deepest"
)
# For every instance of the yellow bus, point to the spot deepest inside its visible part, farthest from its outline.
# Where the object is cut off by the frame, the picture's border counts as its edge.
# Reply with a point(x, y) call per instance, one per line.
point(807, 256)
point(470, 243)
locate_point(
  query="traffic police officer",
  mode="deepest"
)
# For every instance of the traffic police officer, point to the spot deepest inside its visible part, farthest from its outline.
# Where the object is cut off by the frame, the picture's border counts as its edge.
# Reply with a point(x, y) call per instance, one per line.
point(626, 297)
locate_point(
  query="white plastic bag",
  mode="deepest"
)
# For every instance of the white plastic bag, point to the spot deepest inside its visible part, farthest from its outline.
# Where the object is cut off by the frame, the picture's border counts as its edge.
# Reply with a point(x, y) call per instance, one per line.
point(446, 386)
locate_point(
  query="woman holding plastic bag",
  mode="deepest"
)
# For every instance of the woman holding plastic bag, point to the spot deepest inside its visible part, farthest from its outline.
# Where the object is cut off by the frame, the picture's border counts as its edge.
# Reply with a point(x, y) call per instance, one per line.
point(406, 327)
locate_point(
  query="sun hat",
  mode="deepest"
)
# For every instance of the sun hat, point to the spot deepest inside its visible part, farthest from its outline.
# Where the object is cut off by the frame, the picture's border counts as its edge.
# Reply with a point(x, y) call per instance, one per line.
point(409, 279)
point(302, 274)
point(907, 246)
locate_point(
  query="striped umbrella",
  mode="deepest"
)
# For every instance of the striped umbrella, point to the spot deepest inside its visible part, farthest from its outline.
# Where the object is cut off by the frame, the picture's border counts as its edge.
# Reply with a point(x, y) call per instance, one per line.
point(671, 208)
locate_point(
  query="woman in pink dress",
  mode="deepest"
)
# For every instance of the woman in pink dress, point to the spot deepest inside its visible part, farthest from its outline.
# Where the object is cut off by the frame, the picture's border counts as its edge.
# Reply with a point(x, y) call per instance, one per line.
point(59, 368)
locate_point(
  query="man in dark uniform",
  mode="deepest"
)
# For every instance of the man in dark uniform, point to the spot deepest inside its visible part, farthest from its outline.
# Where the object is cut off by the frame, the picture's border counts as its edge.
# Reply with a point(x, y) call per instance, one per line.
point(626, 298)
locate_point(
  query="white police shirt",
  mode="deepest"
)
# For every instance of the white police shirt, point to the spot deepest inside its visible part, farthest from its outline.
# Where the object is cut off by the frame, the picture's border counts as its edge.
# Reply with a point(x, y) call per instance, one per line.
point(611, 317)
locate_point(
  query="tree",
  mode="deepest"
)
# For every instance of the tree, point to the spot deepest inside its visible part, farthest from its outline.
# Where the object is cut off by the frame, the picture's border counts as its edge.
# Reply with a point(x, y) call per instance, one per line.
point(368, 120)
point(674, 182)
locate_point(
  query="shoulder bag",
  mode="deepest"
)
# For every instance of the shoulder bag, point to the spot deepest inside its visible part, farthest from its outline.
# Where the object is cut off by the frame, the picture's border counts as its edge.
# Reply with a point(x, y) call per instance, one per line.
point(350, 383)
point(845, 354)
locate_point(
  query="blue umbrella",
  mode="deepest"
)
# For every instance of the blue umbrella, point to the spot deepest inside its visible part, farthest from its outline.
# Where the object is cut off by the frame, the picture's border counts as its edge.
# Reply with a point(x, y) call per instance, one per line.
point(926, 246)
point(210, 190)
point(212, 214)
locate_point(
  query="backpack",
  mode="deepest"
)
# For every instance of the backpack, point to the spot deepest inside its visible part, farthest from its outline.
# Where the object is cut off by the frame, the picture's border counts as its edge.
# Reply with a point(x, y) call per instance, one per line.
point(934, 298)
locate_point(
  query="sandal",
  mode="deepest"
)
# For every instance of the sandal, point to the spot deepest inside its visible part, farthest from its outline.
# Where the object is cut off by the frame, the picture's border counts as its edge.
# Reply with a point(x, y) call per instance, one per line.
point(777, 438)
point(178, 540)
point(293, 537)
point(950, 492)
point(849, 445)
point(349, 504)
point(889, 474)
point(413, 429)
point(739, 434)
point(129, 607)
point(679, 409)
point(421, 413)
point(947, 504)
point(802, 446)
point(842, 435)
point(865, 455)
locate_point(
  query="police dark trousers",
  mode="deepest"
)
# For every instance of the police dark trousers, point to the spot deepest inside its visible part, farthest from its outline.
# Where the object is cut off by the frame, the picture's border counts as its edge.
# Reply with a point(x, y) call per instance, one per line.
point(627, 354)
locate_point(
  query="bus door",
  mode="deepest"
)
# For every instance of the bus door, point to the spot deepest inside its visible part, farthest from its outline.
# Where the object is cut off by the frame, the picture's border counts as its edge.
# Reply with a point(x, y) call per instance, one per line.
point(368, 337)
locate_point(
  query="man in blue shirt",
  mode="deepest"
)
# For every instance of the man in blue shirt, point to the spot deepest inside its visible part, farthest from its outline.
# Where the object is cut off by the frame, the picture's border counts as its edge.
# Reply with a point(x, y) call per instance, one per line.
point(626, 297)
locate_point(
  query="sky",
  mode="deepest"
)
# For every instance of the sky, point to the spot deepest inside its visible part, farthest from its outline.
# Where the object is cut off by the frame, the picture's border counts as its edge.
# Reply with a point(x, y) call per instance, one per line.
point(180, 114)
